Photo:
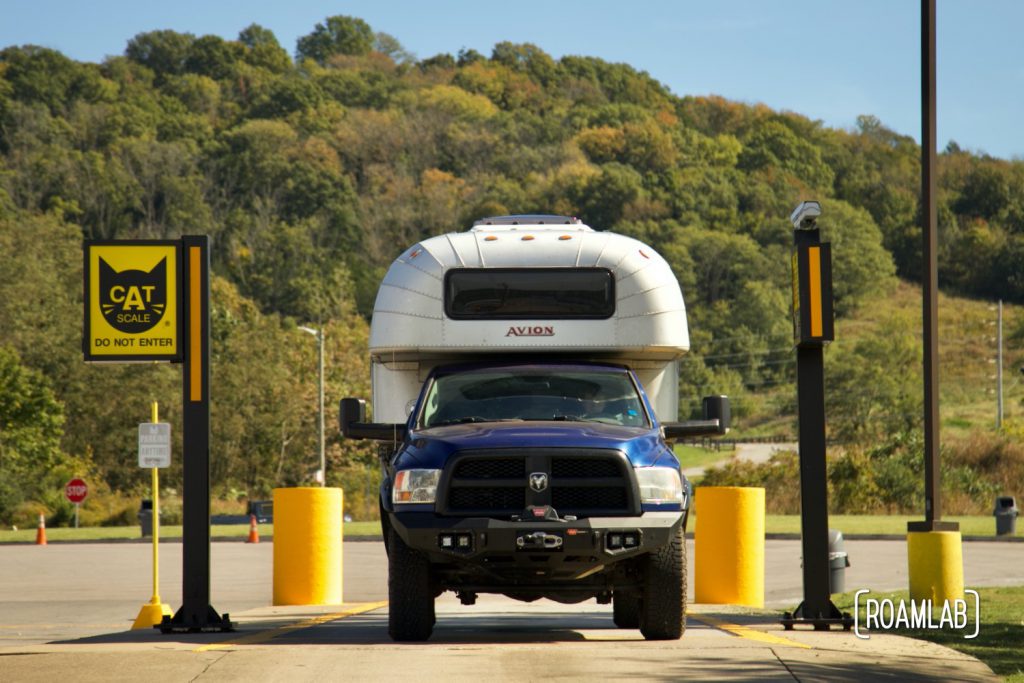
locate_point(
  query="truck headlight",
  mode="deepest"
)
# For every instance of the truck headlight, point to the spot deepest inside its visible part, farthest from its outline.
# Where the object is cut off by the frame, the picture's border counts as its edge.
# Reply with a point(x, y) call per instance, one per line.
point(659, 485)
point(415, 486)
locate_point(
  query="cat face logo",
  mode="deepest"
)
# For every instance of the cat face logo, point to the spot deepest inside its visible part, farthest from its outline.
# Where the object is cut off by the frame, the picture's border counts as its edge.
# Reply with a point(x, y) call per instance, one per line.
point(133, 301)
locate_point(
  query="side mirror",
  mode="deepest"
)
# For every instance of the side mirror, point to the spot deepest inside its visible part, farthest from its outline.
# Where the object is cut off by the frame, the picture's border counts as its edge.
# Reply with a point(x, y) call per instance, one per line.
point(353, 425)
point(716, 419)
point(717, 408)
point(352, 410)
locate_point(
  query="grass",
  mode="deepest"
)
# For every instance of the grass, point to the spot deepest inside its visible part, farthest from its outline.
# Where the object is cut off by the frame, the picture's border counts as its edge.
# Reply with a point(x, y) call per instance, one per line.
point(967, 351)
point(850, 525)
point(1000, 641)
point(695, 456)
point(119, 533)
point(894, 525)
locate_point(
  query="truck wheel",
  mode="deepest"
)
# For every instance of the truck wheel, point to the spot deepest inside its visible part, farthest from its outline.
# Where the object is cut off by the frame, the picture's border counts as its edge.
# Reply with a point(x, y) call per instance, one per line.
point(410, 595)
point(626, 609)
point(663, 604)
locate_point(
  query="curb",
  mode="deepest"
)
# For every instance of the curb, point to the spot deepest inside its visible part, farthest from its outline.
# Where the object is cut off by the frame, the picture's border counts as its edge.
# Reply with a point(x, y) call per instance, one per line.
point(379, 538)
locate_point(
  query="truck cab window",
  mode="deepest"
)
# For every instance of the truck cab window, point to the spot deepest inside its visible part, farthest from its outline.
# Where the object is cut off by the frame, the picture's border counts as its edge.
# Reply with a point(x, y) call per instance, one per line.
point(549, 394)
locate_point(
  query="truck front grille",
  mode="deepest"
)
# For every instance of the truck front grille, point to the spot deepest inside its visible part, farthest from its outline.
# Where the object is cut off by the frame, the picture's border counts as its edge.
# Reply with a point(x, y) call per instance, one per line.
point(580, 482)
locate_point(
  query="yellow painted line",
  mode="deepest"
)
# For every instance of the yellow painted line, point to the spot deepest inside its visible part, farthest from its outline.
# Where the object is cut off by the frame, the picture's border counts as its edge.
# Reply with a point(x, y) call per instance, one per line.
point(264, 636)
point(747, 632)
point(814, 275)
point(24, 627)
point(195, 329)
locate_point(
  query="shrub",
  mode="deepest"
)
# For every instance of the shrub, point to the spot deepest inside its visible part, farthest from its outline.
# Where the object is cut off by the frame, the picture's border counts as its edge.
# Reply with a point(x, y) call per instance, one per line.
point(780, 478)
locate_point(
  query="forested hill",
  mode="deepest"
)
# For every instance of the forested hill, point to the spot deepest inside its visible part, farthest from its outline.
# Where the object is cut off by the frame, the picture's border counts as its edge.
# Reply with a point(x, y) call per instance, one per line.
point(312, 172)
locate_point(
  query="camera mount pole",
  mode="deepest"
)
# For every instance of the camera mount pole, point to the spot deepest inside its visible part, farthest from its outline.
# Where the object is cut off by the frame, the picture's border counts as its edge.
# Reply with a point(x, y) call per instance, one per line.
point(812, 330)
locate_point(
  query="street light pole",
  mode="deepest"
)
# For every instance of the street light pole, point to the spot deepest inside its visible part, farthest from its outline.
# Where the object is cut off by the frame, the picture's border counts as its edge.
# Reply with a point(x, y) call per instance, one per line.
point(319, 334)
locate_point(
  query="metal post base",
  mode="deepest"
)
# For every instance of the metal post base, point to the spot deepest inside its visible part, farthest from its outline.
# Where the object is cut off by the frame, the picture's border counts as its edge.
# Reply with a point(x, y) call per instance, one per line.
point(820, 622)
point(196, 621)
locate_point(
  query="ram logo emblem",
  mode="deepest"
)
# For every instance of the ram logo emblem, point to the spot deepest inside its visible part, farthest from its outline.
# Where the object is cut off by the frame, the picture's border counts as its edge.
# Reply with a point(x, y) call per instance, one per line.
point(538, 481)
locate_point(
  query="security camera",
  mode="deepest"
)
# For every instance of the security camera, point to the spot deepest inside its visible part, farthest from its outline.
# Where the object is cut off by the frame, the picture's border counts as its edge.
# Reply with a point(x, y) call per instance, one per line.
point(805, 216)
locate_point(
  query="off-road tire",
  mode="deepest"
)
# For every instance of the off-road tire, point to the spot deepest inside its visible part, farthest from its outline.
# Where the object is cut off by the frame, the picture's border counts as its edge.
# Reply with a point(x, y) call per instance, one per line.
point(663, 601)
point(410, 593)
point(626, 609)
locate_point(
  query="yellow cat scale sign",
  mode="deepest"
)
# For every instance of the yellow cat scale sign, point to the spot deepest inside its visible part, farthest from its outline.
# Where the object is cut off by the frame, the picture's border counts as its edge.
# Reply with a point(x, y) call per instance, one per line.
point(132, 301)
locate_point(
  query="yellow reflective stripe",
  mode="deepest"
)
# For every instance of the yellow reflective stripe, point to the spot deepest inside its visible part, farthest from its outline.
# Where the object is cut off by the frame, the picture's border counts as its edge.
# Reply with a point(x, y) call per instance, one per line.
point(270, 634)
point(195, 329)
point(814, 284)
point(747, 632)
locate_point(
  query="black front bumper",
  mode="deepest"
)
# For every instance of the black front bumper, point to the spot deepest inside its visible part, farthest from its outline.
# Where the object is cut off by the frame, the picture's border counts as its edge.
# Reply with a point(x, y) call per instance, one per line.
point(557, 549)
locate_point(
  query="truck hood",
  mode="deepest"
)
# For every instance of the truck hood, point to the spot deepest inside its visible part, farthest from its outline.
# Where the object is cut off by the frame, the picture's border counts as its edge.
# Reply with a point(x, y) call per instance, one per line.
point(432, 447)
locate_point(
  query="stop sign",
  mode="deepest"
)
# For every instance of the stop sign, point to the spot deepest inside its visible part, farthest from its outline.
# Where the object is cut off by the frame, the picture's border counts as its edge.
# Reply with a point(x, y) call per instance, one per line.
point(76, 490)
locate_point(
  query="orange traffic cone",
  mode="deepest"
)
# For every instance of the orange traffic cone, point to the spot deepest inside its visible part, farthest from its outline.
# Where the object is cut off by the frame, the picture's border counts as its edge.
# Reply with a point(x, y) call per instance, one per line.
point(254, 534)
point(41, 531)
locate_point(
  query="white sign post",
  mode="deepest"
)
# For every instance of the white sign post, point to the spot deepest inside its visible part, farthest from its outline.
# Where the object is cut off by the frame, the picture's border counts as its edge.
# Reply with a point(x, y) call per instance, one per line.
point(154, 444)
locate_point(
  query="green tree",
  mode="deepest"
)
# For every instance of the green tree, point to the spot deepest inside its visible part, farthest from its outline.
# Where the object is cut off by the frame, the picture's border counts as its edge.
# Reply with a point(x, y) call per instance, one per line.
point(263, 49)
point(861, 266)
point(214, 57)
point(874, 385)
point(338, 35)
point(165, 52)
point(387, 44)
point(774, 145)
point(31, 423)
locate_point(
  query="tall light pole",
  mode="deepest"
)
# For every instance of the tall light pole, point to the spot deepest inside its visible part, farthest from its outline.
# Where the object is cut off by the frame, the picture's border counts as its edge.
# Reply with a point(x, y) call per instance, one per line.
point(319, 334)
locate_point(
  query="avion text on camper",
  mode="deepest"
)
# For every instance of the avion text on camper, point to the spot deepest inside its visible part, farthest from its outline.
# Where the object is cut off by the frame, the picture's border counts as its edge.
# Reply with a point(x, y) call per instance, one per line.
point(531, 331)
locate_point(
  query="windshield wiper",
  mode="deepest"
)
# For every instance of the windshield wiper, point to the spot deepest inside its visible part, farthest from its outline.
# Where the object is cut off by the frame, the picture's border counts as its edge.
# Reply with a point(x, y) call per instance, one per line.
point(459, 421)
point(474, 418)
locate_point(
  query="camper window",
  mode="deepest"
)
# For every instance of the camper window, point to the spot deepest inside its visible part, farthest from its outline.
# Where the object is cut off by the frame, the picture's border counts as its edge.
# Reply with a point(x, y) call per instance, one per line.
point(529, 293)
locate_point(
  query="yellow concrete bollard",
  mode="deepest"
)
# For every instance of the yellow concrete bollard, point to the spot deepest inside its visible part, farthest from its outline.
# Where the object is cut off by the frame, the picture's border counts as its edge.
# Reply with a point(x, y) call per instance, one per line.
point(729, 546)
point(936, 564)
point(307, 546)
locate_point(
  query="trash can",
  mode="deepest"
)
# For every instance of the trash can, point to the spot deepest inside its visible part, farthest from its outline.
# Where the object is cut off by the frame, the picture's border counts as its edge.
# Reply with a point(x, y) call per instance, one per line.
point(146, 518)
point(838, 561)
point(1006, 516)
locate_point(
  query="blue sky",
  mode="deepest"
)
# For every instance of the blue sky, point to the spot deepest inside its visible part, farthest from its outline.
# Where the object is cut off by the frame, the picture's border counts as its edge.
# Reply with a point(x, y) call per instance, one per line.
point(826, 59)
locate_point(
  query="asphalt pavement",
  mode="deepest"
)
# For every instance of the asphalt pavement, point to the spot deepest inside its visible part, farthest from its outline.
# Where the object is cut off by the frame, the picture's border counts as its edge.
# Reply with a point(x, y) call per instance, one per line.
point(65, 611)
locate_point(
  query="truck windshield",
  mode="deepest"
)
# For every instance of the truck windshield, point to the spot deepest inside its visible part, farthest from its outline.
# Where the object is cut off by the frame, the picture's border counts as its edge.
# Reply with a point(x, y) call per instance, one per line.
point(555, 394)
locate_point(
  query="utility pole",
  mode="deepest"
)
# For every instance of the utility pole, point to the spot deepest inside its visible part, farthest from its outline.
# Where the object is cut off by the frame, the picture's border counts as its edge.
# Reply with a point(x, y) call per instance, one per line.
point(319, 334)
point(999, 367)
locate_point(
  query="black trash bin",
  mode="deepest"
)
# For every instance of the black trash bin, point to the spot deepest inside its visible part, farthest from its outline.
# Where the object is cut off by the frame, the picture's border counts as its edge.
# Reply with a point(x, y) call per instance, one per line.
point(838, 561)
point(146, 518)
point(1006, 516)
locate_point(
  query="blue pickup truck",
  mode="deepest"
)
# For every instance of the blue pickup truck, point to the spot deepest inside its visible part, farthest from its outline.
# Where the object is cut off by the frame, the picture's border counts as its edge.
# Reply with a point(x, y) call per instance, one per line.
point(522, 453)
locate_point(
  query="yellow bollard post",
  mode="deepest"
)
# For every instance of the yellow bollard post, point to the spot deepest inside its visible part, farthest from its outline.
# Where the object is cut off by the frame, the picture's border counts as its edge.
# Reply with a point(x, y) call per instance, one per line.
point(729, 546)
point(152, 613)
point(307, 546)
point(936, 566)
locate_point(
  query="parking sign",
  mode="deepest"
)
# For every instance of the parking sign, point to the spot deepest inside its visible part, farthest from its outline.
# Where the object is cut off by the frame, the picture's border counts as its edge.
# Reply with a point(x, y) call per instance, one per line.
point(154, 444)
